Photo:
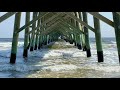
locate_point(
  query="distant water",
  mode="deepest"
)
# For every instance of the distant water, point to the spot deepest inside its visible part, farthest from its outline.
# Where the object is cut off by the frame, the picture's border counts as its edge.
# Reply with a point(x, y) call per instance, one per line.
point(10, 39)
point(56, 63)
point(109, 40)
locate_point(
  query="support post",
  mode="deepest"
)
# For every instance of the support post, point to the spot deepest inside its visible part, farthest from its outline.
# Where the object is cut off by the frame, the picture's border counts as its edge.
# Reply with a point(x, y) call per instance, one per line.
point(74, 36)
point(29, 42)
point(88, 51)
point(98, 40)
point(39, 46)
point(82, 36)
point(15, 38)
point(26, 36)
point(79, 42)
point(36, 41)
point(116, 19)
point(78, 26)
point(32, 42)
point(71, 40)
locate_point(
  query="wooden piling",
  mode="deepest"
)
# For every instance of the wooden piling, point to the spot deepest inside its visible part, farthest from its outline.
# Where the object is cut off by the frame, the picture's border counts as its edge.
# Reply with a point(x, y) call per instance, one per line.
point(26, 36)
point(15, 38)
point(78, 41)
point(79, 44)
point(37, 35)
point(32, 42)
point(88, 51)
point(71, 40)
point(82, 36)
point(74, 37)
point(98, 40)
point(116, 19)
point(39, 45)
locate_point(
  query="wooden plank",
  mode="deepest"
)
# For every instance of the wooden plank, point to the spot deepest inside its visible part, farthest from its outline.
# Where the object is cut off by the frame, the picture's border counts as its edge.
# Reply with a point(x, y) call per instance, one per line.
point(50, 19)
point(69, 24)
point(48, 29)
point(55, 19)
point(104, 19)
point(6, 16)
point(31, 22)
point(42, 24)
point(66, 28)
point(80, 21)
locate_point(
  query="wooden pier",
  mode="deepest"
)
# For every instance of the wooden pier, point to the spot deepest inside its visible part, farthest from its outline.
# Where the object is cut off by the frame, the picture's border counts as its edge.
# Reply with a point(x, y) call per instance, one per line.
point(46, 27)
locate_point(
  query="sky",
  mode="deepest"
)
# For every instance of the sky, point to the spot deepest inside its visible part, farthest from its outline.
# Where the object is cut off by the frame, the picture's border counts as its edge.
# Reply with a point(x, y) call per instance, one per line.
point(6, 27)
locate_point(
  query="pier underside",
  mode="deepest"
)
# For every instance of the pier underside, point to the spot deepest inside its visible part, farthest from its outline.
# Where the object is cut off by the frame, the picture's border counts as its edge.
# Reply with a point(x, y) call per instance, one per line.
point(45, 27)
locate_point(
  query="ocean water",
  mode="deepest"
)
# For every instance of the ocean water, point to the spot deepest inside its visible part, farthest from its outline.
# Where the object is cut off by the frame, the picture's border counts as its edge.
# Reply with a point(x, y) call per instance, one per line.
point(60, 62)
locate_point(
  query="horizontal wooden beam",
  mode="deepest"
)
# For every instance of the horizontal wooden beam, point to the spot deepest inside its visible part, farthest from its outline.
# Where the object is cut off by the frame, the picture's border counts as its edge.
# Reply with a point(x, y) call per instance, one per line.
point(70, 25)
point(63, 32)
point(52, 19)
point(50, 28)
point(64, 28)
point(80, 21)
point(63, 22)
point(104, 19)
point(68, 28)
point(31, 22)
point(6, 16)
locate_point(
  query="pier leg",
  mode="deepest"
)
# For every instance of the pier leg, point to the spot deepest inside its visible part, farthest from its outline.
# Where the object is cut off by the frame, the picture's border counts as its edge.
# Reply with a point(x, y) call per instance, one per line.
point(32, 42)
point(78, 15)
point(45, 39)
point(15, 38)
point(35, 48)
point(88, 51)
point(78, 42)
point(26, 36)
point(36, 41)
point(74, 36)
point(39, 46)
point(116, 19)
point(98, 40)
point(83, 42)
point(28, 42)
point(71, 41)
point(48, 39)
point(42, 41)
point(82, 36)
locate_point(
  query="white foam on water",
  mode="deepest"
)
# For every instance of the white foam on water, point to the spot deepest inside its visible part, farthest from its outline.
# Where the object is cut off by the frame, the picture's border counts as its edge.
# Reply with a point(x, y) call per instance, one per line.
point(5, 45)
point(52, 53)
point(6, 49)
point(79, 54)
point(53, 60)
point(60, 68)
point(114, 42)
